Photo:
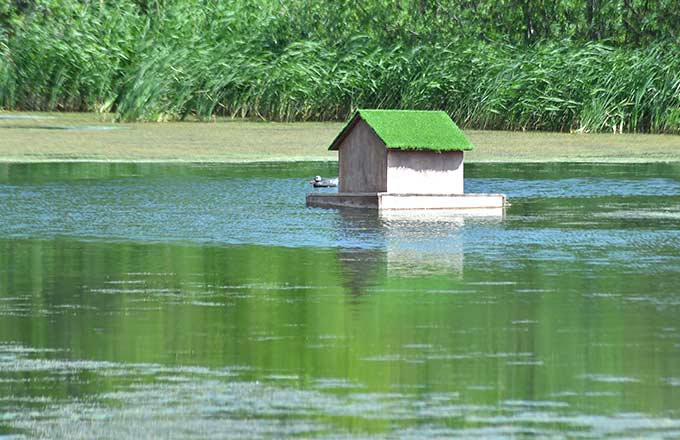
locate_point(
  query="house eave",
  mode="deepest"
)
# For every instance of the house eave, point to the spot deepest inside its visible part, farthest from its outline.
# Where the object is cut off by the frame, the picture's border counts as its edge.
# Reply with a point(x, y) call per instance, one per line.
point(335, 145)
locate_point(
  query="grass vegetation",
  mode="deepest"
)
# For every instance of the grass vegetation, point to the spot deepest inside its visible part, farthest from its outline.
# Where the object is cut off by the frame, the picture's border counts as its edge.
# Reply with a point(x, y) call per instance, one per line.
point(58, 137)
point(414, 129)
point(568, 65)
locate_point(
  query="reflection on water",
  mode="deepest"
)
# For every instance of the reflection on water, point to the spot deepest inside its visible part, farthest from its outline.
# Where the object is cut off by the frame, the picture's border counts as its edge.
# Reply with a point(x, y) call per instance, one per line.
point(207, 301)
point(436, 244)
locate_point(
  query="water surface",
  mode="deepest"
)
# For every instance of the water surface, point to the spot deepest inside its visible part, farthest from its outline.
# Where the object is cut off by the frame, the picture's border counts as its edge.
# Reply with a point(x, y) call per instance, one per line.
point(193, 301)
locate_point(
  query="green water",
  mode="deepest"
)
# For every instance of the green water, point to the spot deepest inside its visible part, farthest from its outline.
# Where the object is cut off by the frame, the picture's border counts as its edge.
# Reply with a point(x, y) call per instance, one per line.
point(187, 301)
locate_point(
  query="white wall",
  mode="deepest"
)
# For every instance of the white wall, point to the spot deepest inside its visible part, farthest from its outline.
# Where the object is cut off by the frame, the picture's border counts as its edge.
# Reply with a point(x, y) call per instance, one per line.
point(424, 172)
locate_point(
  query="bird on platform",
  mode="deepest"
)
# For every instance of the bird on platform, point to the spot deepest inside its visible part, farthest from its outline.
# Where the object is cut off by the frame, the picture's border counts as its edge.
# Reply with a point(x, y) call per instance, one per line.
point(319, 182)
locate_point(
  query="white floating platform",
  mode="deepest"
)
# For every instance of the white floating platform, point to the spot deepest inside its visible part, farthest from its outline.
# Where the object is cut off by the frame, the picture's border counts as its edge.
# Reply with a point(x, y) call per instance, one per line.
point(383, 201)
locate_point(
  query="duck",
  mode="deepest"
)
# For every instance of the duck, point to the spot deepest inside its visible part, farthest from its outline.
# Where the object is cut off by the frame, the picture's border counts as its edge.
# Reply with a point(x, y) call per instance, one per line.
point(319, 182)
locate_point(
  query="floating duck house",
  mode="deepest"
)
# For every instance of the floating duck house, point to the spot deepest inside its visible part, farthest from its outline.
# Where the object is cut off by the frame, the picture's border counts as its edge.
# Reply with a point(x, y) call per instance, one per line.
point(402, 159)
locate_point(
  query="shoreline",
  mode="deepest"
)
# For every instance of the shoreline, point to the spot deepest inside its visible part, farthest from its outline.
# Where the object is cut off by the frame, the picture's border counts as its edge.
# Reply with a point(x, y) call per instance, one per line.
point(603, 161)
point(89, 137)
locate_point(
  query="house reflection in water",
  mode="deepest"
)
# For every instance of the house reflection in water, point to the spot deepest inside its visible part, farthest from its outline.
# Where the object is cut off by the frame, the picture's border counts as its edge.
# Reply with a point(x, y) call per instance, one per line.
point(405, 243)
point(423, 241)
point(361, 266)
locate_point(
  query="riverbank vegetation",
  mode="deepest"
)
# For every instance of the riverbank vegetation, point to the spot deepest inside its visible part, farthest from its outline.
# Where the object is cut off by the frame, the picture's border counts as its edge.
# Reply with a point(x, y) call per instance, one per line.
point(568, 65)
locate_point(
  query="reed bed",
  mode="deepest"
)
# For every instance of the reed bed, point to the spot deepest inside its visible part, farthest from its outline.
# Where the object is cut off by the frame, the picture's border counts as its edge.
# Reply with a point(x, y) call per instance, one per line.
point(236, 59)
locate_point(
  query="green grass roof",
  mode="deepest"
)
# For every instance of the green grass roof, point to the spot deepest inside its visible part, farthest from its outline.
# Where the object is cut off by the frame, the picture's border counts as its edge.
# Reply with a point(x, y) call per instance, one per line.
point(411, 130)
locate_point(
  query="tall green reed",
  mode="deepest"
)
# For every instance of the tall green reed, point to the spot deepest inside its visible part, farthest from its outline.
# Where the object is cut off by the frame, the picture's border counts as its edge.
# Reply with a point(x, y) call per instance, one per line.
point(202, 59)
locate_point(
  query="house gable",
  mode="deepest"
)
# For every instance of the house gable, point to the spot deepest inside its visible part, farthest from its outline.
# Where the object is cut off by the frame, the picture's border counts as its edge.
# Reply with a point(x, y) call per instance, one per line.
point(362, 162)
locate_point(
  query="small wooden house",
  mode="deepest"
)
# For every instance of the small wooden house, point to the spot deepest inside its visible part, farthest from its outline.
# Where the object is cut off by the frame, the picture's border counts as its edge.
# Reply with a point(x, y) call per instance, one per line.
point(401, 159)
point(401, 151)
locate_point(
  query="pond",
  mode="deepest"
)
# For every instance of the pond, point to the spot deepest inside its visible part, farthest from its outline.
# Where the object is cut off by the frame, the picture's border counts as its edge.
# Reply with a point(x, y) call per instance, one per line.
point(194, 301)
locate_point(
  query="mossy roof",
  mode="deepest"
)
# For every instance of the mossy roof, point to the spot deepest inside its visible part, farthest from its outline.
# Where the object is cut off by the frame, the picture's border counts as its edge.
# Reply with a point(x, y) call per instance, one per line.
point(410, 130)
